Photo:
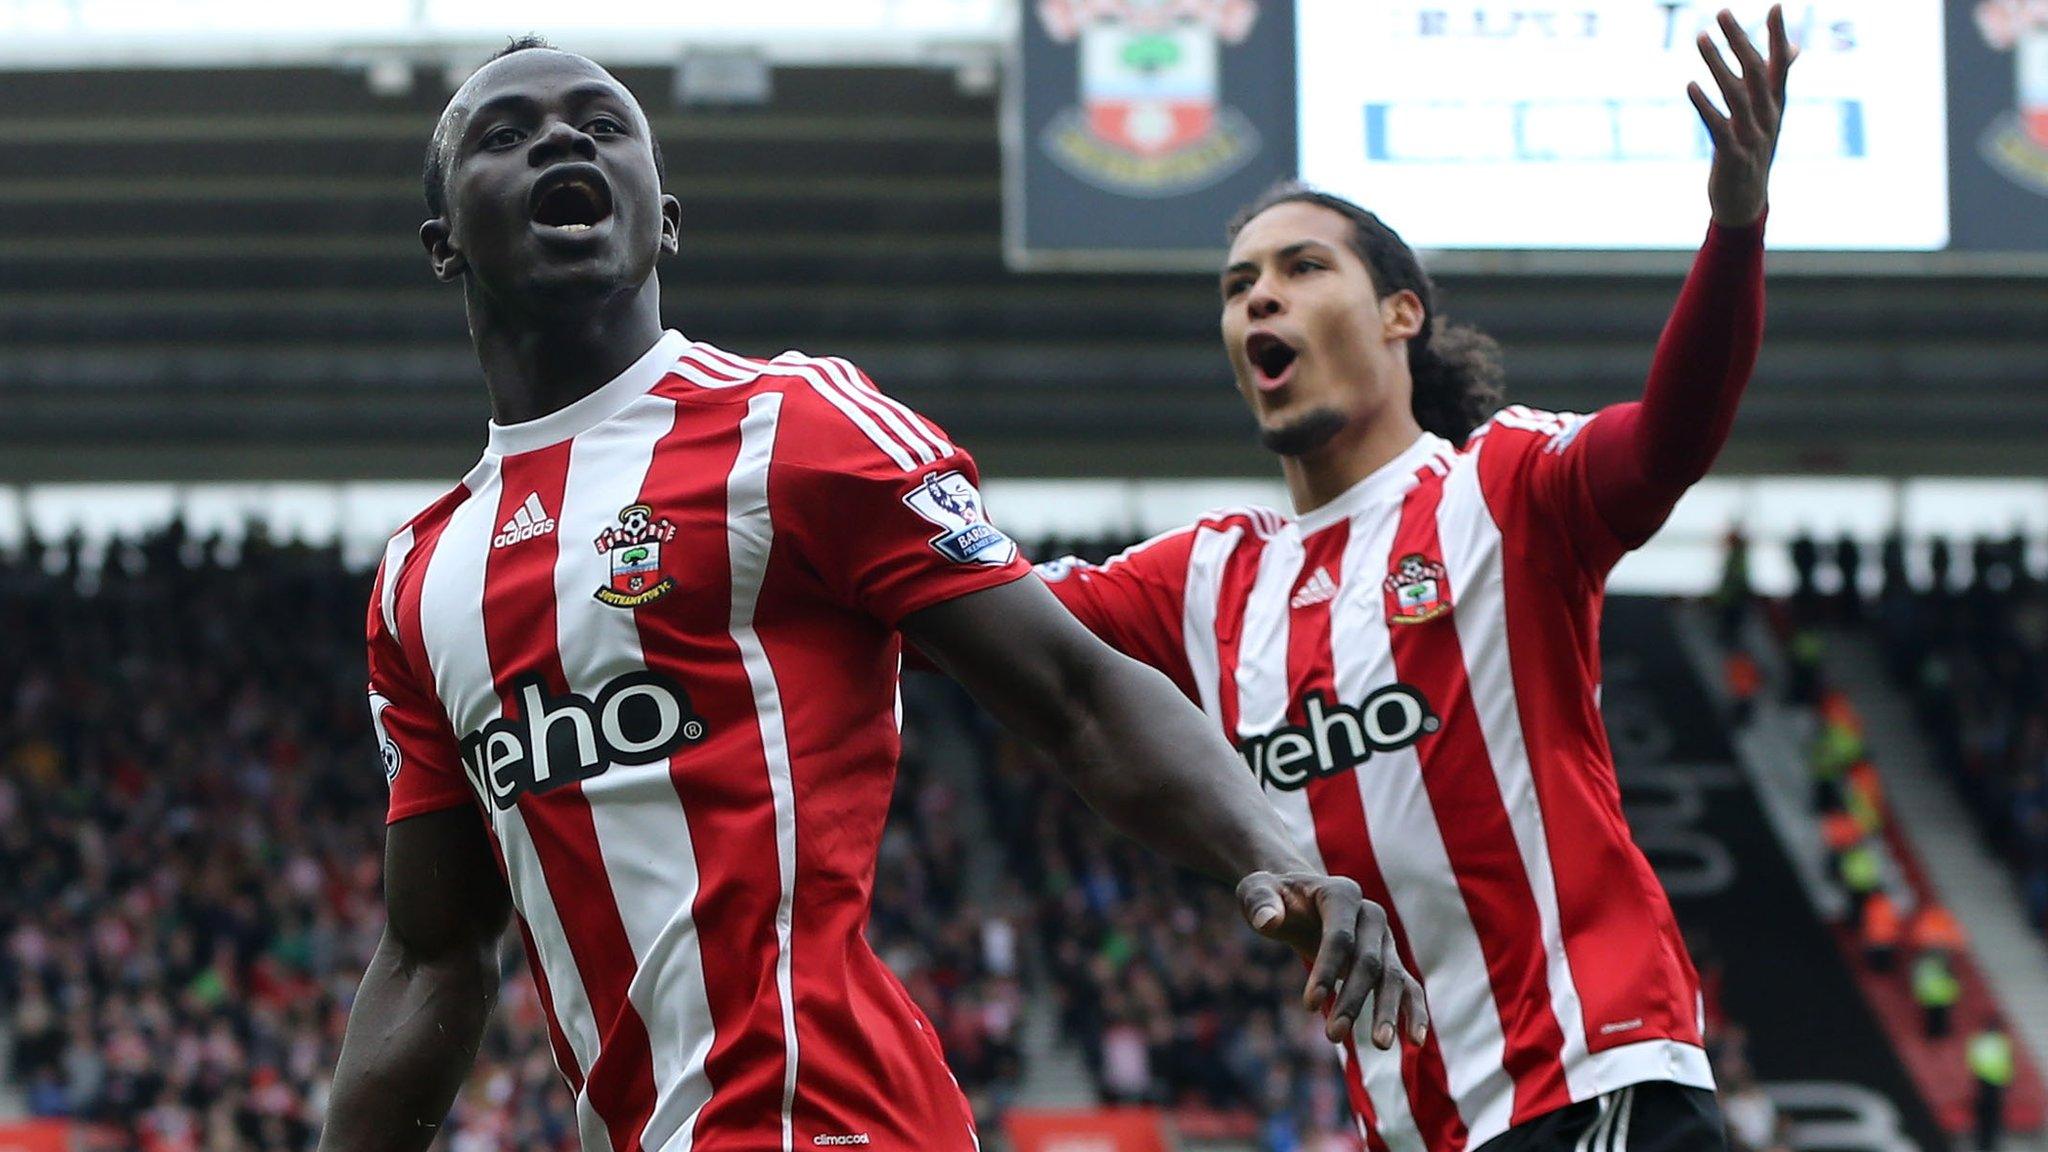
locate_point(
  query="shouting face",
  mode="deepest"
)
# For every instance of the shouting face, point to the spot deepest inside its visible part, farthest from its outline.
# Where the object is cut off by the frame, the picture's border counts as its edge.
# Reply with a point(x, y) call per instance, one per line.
point(1319, 354)
point(551, 193)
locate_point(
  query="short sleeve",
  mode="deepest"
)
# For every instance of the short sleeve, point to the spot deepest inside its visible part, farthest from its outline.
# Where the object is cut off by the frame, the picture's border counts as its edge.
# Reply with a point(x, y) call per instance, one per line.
point(422, 765)
point(1533, 469)
point(1134, 601)
point(888, 512)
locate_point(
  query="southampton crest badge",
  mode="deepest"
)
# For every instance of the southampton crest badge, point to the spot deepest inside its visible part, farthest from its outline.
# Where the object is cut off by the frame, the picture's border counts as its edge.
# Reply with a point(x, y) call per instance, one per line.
point(1151, 121)
point(1418, 589)
point(2017, 142)
point(634, 547)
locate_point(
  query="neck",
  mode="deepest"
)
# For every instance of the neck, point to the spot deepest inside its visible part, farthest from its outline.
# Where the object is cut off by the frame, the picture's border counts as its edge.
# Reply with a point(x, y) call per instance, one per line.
point(534, 365)
point(1317, 477)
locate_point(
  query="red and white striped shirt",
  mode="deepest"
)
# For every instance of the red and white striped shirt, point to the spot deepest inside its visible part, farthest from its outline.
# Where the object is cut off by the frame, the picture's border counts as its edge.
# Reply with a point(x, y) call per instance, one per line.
point(652, 639)
point(1412, 671)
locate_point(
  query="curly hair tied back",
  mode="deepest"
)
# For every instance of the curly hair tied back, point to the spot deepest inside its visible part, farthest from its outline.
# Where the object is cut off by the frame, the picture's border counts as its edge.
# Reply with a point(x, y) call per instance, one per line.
point(1458, 375)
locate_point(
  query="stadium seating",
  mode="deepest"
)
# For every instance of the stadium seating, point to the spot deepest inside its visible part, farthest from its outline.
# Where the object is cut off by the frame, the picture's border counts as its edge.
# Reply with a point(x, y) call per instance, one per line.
point(190, 822)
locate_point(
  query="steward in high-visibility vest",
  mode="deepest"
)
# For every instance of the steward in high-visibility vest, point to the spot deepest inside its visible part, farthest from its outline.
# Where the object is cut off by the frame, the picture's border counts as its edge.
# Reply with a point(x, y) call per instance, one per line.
point(1936, 990)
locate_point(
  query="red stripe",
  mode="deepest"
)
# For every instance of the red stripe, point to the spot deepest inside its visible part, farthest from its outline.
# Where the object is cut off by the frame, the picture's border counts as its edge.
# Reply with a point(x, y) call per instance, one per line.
point(1345, 839)
point(411, 580)
point(519, 631)
point(730, 810)
point(1478, 837)
point(1626, 952)
point(558, 1041)
point(1233, 597)
point(1361, 1103)
point(427, 529)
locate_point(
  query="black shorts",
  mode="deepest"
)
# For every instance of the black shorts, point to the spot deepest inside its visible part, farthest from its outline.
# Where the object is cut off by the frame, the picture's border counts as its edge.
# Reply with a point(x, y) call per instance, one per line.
point(1658, 1116)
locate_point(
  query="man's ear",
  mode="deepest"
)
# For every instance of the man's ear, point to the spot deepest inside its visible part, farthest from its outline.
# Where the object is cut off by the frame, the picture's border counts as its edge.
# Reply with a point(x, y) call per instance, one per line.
point(447, 263)
point(1402, 314)
point(671, 225)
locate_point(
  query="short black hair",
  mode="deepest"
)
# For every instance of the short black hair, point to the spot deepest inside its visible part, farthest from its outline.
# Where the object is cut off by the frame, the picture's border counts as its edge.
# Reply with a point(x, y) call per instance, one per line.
point(434, 175)
point(1460, 381)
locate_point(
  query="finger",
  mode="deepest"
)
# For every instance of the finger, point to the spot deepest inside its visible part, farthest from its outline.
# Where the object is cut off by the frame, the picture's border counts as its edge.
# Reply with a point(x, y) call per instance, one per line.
point(1389, 996)
point(1337, 902)
point(1753, 67)
point(1782, 51)
point(1717, 124)
point(1414, 1006)
point(1756, 78)
point(1259, 896)
point(1360, 979)
point(1733, 93)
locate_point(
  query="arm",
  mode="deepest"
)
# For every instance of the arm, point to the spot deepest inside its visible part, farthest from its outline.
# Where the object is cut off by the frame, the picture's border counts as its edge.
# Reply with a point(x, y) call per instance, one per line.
point(419, 1016)
point(1151, 764)
point(1642, 457)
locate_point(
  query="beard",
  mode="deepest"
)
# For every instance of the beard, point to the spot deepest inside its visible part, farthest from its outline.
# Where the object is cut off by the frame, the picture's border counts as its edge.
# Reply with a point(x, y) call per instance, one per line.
point(1304, 434)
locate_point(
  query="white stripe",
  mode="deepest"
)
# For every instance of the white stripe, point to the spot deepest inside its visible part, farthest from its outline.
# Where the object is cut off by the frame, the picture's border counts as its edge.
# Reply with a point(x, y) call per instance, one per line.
point(851, 411)
point(1408, 844)
point(704, 376)
point(1619, 1142)
point(395, 553)
point(1206, 559)
point(452, 626)
point(750, 530)
point(642, 831)
point(533, 508)
point(843, 374)
point(1472, 556)
point(860, 382)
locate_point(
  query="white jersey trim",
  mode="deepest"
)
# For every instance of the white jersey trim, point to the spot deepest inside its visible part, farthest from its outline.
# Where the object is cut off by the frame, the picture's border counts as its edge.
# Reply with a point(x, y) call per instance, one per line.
point(395, 554)
point(637, 380)
point(750, 530)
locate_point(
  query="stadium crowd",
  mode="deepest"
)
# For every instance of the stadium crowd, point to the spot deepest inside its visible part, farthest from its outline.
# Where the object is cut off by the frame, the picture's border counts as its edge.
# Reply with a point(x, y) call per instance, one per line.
point(191, 821)
point(1971, 650)
point(190, 828)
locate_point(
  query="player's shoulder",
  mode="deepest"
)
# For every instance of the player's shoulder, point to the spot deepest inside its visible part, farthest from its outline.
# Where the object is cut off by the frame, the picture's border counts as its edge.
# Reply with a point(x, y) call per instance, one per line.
point(831, 414)
point(1254, 521)
point(1528, 429)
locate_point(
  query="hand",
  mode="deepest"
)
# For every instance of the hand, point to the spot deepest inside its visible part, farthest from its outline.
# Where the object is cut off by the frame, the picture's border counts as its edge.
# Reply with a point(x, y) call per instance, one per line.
point(1746, 138)
point(1350, 950)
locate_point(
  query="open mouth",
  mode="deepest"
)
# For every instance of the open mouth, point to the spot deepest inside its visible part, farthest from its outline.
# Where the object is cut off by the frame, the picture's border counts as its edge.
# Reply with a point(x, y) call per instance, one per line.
point(571, 198)
point(1272, 359)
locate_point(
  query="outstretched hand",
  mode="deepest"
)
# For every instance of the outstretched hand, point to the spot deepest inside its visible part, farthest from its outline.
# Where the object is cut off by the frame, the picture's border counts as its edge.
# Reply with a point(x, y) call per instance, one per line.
point(1746, 138)
point(1350, 951)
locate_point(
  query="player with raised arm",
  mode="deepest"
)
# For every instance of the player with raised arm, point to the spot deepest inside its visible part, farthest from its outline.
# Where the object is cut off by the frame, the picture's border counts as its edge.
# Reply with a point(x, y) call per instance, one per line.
point(634, 681)
point(1409, 665)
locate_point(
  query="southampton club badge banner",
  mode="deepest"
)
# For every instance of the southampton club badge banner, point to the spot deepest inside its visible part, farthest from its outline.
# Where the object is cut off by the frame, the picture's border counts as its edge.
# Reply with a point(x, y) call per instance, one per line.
point(1998, 124)
point(1136, 125)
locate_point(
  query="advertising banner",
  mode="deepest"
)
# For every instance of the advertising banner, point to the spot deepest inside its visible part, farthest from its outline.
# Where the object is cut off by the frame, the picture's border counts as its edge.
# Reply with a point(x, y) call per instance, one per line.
point(1086, 1130)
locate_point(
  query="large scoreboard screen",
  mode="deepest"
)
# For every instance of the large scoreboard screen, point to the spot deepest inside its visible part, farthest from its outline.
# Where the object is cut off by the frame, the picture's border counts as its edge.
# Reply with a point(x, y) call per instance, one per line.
point(1487, 125)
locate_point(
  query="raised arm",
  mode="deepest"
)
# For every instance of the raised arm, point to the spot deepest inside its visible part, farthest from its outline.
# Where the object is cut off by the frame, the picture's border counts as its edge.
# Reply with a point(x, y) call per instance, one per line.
point(1642, 457)
point(420, 1013)
point(1151, 764)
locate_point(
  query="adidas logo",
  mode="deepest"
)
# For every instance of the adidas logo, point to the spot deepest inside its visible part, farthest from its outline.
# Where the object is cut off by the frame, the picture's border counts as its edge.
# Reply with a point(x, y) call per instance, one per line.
point(1318, 589)
point(531, 520)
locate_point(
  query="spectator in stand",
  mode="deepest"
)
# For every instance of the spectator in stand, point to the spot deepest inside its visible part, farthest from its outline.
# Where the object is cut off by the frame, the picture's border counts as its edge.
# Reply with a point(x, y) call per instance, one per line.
point(1733, 595)
point(1849, 561)
point(1805, 570)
